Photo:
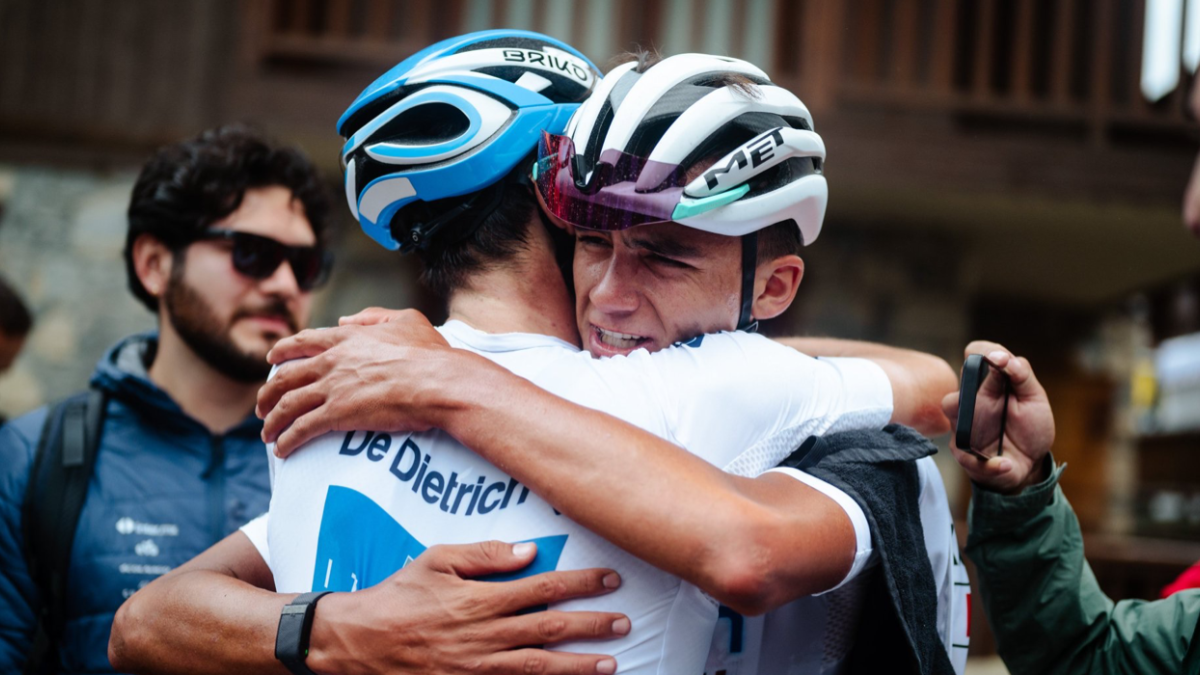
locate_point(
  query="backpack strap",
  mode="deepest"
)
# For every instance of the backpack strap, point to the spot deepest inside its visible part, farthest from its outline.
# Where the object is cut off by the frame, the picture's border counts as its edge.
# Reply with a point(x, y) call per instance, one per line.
point(58, 485)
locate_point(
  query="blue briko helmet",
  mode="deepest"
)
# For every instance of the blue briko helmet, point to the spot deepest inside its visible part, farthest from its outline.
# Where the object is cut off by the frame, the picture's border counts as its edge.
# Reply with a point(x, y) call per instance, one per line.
point(452, 120)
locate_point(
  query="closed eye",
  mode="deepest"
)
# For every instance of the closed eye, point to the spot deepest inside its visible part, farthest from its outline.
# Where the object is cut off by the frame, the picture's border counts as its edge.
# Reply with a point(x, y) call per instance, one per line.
point(670, 262)
point(593, 240)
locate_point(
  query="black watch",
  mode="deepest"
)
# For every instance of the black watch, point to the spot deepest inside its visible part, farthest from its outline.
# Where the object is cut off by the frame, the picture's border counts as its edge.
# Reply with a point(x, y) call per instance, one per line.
point(295, 627)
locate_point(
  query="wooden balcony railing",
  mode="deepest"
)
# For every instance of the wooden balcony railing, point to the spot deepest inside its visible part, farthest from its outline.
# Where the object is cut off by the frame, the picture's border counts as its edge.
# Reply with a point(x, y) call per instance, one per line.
point(1070, 62)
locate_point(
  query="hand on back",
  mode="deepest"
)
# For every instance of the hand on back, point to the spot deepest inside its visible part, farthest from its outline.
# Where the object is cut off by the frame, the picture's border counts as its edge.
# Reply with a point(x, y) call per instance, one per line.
point(378, 370)
point(433, 617)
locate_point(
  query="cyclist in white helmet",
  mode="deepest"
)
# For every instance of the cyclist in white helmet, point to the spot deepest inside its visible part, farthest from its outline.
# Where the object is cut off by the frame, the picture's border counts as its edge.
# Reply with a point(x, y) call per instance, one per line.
point(413, 461)
point(705, 152)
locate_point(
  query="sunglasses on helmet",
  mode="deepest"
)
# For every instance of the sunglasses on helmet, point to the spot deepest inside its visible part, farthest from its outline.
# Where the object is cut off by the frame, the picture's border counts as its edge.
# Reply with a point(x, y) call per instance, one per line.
point(258, 257)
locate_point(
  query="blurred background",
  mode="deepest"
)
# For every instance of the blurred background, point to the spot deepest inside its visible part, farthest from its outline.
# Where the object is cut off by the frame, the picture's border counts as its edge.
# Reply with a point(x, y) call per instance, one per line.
point(994, 169)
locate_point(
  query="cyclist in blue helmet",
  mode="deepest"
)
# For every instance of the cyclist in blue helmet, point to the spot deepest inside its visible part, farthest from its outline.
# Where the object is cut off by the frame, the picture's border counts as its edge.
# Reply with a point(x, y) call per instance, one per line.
point(517, 292)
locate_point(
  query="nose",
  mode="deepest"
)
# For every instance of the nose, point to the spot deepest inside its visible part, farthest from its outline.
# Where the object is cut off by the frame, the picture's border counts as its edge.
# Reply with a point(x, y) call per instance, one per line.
point(282, 282)
point(616, 293)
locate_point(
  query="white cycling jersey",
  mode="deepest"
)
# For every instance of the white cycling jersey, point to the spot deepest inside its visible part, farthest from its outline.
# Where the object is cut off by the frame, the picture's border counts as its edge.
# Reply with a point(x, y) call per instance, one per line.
point(813, 635)
point(351, 508)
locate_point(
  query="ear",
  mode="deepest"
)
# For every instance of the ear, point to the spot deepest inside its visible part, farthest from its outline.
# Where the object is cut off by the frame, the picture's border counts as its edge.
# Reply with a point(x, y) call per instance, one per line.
point(775, 286)
point(152, 262)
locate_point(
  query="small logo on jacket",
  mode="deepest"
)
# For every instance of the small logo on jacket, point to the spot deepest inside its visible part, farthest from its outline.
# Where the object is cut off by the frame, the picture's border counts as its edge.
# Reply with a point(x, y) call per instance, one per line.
point(147, 548)
point(128, 525)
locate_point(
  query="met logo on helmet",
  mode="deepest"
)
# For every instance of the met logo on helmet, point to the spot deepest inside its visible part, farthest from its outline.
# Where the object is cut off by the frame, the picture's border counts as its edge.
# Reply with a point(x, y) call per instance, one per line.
point(559, 61)
point(753, 153)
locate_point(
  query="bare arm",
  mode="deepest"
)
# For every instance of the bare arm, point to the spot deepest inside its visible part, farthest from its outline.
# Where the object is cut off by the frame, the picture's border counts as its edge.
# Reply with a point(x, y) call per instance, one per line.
point(217, 613)
point(919, 381)
point(751, 543)
point(221, 604)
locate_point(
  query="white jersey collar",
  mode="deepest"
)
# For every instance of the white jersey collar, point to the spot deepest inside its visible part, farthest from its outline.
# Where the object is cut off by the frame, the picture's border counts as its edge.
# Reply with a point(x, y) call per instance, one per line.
point(460, 334)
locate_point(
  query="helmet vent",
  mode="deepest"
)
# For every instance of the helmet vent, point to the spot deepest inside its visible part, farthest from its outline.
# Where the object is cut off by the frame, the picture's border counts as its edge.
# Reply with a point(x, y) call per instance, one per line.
point(427, 124)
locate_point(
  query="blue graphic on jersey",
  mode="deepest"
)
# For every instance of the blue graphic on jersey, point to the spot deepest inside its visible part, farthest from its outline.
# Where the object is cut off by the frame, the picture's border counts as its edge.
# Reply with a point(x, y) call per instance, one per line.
point(737, 628)
point(360, 545)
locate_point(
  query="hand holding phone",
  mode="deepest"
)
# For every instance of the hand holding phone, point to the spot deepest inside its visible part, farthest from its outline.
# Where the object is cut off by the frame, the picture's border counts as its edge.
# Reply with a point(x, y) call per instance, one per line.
point(1001, 408)
point(982, 408)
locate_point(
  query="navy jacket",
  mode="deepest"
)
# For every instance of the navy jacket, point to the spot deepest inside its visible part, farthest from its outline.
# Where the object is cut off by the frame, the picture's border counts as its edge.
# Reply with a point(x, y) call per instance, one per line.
point(164, 490)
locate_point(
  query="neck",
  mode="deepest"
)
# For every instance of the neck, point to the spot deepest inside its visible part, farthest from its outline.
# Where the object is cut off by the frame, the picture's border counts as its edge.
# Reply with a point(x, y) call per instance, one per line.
point(207, 396)
point(526, 295)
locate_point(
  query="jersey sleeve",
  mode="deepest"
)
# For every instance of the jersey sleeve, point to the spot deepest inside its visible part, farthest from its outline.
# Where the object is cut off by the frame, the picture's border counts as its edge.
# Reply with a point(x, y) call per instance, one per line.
point(256, 531)
point(862, 530)
point(745, 402)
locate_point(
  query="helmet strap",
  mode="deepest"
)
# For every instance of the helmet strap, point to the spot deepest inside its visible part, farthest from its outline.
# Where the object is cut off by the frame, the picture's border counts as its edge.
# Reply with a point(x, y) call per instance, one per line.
point(470, 214)
point(746, 322)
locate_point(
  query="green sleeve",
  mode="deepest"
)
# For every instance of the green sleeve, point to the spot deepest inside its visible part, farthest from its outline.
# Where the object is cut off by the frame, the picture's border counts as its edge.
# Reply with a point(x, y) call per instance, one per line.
point(1042, 600)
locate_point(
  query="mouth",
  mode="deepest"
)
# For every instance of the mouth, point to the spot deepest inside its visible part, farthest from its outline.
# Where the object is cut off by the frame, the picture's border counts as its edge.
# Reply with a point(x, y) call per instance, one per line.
point(272, 323)
point(610, 342)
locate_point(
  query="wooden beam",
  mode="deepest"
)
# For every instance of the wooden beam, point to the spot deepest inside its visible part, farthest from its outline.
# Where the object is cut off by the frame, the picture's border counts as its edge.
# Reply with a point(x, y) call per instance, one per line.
point(906, 44)
point(379, 20)
point(1022, 51)
point(336, 21)
point(1100, 96)
point(299, 15)
point(822, 49)
point(1132, 68)
point(868, 34)
point(1063, 53)
point(254, 33)
point(417, 21)
point(985, 47)
point(943, 53)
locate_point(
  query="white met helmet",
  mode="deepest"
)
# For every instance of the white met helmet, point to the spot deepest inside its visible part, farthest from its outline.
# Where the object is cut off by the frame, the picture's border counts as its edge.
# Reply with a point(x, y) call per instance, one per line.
point(630, 155)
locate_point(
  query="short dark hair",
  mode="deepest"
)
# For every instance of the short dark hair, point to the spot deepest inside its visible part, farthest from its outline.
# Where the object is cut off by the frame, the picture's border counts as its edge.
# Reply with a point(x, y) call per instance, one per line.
point(188, 186)
point(463, 247)
point(15, 319)
point(780, 239)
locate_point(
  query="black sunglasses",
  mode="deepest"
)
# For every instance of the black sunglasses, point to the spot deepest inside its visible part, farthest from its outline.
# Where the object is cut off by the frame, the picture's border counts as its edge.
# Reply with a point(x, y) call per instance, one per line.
point(258, 257)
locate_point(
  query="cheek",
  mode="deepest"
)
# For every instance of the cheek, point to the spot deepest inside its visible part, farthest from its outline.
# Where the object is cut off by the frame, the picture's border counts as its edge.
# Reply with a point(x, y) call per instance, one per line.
point(303, 309)
point(702, 304)
point(585, 273)
point(211, 275)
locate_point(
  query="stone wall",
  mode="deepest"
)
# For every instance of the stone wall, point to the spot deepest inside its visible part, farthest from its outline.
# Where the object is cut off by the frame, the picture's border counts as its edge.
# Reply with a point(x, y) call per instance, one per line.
point(61, 237)
point(60, 246)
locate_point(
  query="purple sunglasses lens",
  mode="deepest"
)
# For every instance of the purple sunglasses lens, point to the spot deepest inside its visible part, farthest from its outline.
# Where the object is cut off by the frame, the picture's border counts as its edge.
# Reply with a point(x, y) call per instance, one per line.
point(615, 198)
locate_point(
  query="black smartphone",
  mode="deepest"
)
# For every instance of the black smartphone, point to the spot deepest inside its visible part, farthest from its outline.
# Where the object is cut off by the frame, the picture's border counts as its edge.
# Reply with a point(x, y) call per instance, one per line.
point(980, 426)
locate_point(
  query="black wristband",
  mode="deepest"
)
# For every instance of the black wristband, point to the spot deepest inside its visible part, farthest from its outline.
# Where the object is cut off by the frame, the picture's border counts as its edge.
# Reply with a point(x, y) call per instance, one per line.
point(295, 627)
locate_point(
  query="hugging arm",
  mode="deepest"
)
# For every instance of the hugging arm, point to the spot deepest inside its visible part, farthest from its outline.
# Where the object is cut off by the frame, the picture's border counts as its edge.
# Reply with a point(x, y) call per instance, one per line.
point(236, 609)
point(752, 543)
point(919, 380)
point(219, 613)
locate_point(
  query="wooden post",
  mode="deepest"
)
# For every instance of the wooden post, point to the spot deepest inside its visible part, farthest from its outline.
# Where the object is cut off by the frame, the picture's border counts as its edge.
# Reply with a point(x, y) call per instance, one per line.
point(822, 41)
point(1099, 100)
point(985, 46)
point(906, 41)
point(943, 54)
point(336, 22)
point(1063, 54)
point(1022, 53)
point(379, 20)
